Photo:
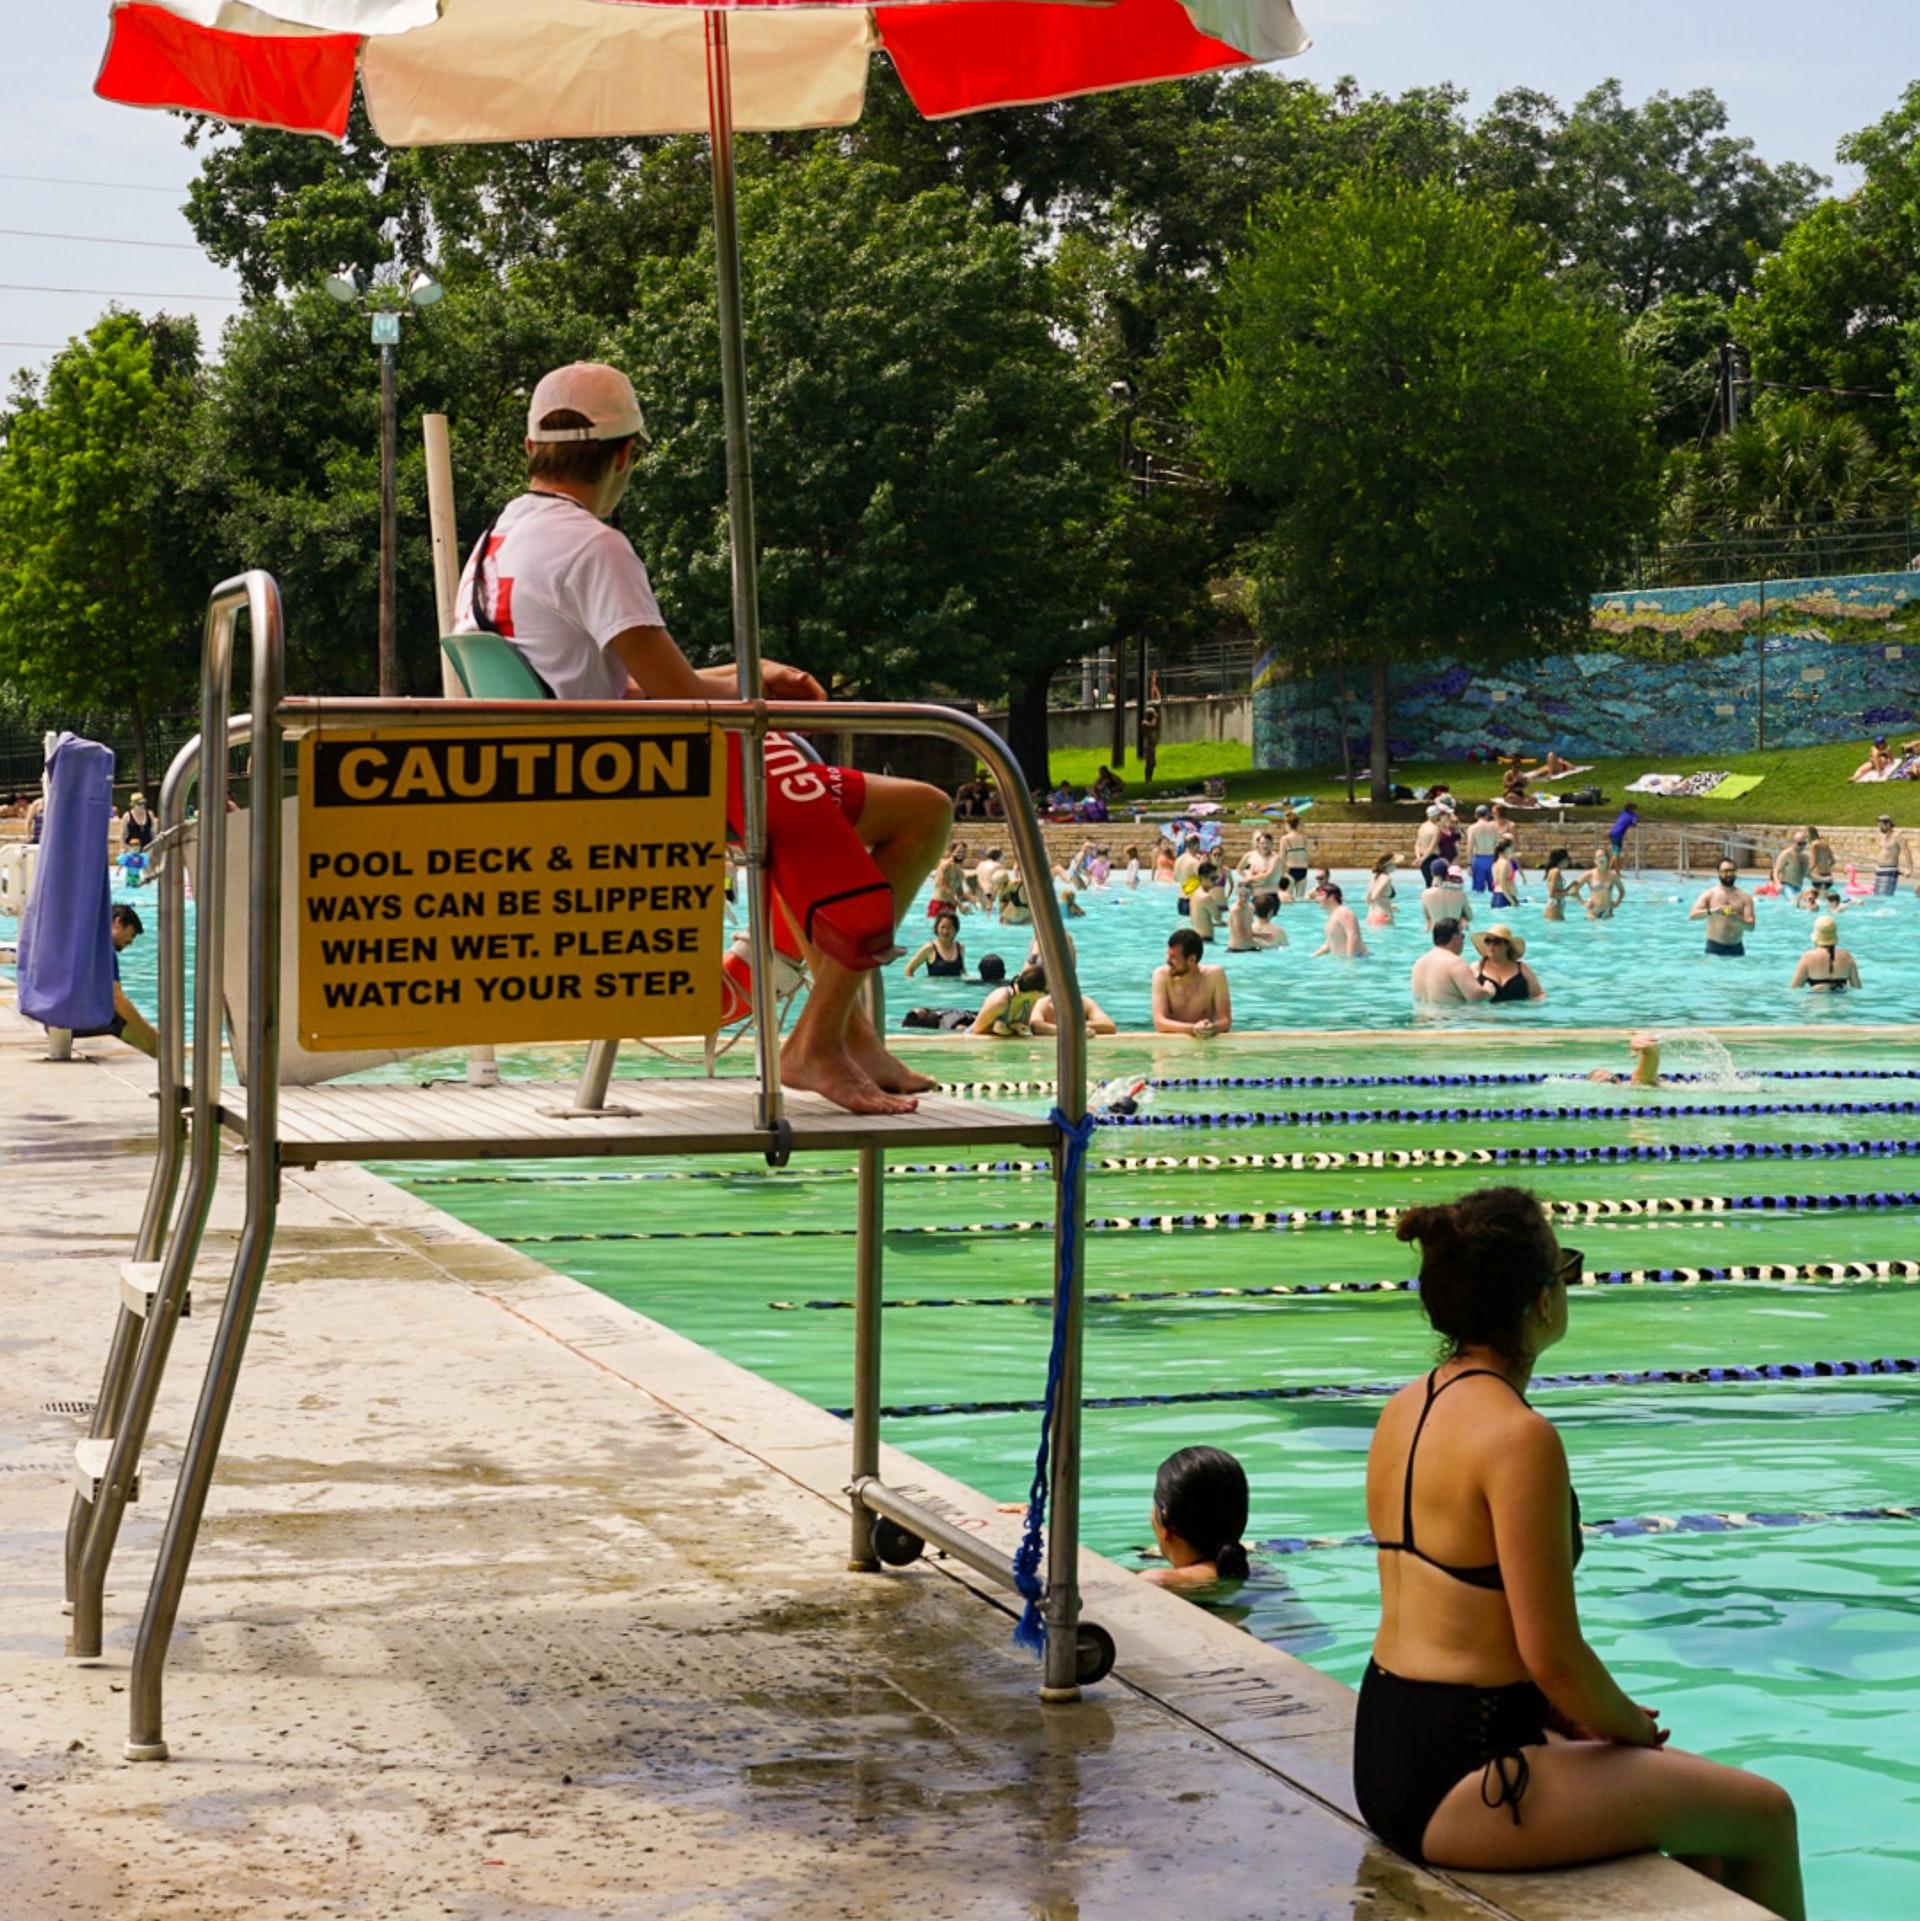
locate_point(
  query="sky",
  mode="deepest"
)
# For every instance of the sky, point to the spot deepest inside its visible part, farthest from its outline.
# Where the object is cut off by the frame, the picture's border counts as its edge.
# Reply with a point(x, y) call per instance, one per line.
point(111, 181)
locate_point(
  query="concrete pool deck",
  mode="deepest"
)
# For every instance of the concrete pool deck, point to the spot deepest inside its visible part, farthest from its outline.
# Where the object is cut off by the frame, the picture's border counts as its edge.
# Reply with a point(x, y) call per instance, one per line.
point(512, 1603)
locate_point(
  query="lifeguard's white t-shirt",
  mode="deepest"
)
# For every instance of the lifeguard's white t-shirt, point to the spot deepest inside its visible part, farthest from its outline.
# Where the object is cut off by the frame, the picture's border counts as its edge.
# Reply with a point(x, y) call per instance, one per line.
point(561, 584)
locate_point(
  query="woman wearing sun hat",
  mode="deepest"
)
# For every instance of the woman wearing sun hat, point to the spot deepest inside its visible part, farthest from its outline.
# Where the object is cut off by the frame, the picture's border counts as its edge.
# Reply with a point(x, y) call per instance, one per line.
point(1502, 967)
point(1827, 967)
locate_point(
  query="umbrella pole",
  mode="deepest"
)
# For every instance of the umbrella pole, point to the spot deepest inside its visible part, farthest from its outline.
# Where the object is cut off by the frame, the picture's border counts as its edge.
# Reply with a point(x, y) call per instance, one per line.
point(746, 584)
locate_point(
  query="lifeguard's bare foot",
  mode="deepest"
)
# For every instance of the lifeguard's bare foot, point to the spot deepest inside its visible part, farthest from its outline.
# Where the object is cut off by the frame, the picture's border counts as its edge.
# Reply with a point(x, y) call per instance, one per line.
point(885, 1070)
point(839, 1080)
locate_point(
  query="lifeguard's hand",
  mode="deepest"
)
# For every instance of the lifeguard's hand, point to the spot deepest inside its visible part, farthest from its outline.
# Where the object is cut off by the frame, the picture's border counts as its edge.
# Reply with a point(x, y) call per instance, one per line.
point(789, 683)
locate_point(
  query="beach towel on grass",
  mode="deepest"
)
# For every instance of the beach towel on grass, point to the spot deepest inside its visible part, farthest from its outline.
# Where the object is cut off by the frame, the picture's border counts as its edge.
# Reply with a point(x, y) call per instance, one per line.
point(1734, 785)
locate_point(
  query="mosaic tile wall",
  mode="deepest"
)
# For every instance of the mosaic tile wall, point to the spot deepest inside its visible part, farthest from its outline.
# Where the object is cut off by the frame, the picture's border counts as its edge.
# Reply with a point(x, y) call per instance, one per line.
point(1783, 663)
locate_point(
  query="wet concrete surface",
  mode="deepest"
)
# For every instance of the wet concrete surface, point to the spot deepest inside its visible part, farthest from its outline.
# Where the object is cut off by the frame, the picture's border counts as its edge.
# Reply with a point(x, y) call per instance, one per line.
point(512, 1605)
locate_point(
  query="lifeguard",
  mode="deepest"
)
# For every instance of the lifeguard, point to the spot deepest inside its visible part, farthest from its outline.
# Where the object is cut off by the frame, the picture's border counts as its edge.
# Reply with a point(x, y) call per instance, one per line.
point(848, 851)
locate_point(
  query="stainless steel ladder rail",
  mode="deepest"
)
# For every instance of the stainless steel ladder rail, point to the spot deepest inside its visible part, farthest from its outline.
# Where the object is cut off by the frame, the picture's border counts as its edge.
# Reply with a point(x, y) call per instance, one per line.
point(1067, 1660)
point(260, 597)
point(170, 1148)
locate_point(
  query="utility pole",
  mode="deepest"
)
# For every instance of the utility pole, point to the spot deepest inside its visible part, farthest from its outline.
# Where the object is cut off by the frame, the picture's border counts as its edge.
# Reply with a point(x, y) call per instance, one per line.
point(389, 517)
point(1729, 387)
point(384, 306)
point(1121, 393)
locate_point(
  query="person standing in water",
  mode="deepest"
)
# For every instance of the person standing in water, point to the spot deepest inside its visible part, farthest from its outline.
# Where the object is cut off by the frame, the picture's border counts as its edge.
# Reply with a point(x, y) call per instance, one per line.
point(1891, 858)
point(943, 957)
point(1727, 908)
point(1792, 866)
point(1483, 838)
point(1561, 886)
point(1604, 888)
point(1479, 1653)
point(1343, 939)
point(1441, 975)
point(1380, 891)
point(1296, 853)
point(1827, 967)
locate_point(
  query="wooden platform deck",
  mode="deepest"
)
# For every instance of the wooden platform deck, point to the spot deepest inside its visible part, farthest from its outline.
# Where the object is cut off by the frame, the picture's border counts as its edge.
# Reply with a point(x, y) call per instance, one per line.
point(515, 1120)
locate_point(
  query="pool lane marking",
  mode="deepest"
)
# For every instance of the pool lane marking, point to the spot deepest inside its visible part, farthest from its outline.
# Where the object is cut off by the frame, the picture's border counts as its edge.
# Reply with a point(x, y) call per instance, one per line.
point(1255, 1220)
point(1634, 1526)
point(989, 1090)
point(1828, 1273)
point(1767, 1374)
point(1645, 1111)
point(1323, 1162)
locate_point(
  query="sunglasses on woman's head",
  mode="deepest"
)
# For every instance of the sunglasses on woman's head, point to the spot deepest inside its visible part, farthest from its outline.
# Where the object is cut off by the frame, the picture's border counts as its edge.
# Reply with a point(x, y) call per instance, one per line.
point(1573, 1263)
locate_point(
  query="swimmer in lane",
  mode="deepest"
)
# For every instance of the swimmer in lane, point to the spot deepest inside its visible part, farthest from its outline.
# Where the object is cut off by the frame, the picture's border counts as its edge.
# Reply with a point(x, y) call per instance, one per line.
point(1645, 1072)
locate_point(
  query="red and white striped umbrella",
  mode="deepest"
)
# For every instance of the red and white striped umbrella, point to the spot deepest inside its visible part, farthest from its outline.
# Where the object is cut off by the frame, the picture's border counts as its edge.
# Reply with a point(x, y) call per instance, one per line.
point(439, 72)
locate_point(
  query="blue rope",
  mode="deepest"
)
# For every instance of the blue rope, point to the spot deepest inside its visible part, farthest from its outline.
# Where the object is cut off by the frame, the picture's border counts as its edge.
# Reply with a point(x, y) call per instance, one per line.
point(1647, 1111)
point(1076, 1136)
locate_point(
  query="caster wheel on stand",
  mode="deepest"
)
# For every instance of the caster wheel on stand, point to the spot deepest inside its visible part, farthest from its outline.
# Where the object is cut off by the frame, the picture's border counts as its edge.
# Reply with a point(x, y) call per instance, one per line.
point(894, 1546)
point(1093, 1653)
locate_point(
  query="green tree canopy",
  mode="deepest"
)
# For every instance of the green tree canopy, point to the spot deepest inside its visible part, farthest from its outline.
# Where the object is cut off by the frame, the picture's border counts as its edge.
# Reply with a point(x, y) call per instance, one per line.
point(928, 477)
point(1449, 451)
point(1640, 203)
point(1836, 311)
point(92, 616)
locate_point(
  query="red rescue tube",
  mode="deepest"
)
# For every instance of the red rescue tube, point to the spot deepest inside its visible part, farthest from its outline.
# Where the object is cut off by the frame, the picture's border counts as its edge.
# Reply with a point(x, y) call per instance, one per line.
point(817, 863)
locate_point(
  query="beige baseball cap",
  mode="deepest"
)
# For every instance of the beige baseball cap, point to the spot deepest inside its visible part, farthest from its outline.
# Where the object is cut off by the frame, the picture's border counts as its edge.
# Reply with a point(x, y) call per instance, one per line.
point(604, 394)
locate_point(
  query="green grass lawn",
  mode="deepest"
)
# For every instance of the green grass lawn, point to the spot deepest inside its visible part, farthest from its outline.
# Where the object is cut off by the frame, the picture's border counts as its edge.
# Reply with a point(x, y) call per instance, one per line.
point(1801, 785)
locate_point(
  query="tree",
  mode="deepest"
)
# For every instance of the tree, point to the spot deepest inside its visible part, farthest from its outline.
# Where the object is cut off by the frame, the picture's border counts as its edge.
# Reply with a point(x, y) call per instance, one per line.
point(1677, 344)
point(1795, 473)
point(1639, 203)
point(1450, 451)
point(1836, 312)
point(927, 473)
point(94, 614)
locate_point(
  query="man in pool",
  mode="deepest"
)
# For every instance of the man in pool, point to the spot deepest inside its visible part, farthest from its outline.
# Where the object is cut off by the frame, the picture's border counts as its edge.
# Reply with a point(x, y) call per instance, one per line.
point(568, 592)
point(1727, 908)
point(1189, 996)
point(1445, 898)
point(1343, 928)
point(1891, 857)
point(1441, 976)
point(1793, 866)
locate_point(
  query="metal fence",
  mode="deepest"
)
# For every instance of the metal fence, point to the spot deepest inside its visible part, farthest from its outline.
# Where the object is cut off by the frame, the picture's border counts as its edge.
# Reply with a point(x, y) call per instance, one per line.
point(1779, 552)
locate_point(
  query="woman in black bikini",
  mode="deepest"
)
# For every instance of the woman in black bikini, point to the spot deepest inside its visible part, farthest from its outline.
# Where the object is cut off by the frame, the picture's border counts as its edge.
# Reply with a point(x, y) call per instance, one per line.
point(1502, 968)
point(943, 957)
point(1479, 1652)
point(1827, 967)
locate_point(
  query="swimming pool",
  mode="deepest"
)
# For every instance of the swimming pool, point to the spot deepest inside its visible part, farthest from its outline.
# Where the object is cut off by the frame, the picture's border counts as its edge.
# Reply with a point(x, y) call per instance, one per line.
point(1754, 1542)
point(1648, 964)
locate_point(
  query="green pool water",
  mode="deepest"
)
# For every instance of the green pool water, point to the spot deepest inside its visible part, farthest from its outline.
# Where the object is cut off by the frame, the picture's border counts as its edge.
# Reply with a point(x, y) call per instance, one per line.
point(1787, 1647)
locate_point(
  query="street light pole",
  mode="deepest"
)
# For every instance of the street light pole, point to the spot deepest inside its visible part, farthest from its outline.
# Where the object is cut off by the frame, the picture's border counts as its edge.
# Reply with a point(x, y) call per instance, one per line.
point(350, 287)
point(389, 524)
point(1121, 393)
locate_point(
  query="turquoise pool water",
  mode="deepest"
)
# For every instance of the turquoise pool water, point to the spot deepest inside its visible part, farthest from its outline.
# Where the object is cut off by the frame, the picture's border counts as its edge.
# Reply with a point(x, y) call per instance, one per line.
point(1647, 965)
point(1782, 1642)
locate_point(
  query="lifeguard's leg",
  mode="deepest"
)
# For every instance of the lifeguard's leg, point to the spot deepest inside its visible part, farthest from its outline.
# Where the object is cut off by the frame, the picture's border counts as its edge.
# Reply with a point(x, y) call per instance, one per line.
point(906, 824)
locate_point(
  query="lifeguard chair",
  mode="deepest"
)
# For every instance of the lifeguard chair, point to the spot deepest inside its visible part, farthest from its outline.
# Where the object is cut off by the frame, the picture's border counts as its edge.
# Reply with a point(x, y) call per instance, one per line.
point(329, 1121)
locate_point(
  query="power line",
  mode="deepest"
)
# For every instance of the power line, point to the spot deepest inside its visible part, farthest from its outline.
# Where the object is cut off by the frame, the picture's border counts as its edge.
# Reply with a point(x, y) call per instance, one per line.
point(98, 239)
point(50, 345)
point(113, 293)
point(66, 180)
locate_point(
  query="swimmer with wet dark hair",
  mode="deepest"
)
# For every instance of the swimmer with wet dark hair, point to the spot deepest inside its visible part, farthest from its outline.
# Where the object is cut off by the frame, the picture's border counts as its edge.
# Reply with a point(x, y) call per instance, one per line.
point(1199, 1515)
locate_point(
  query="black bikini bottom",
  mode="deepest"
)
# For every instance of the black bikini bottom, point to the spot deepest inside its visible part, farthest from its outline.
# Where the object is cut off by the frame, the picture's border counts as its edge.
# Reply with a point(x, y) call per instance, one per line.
point(1415, 1741)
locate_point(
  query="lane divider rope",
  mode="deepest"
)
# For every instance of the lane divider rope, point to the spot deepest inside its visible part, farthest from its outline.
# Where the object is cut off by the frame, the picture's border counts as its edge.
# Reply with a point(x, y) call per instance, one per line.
point(1715, 1376)
point(1346, 1116)
point(1634, 1526)
point(1269, 1220)
point(1827, 1272)
point(1516, 1078)
point(1322, 1162)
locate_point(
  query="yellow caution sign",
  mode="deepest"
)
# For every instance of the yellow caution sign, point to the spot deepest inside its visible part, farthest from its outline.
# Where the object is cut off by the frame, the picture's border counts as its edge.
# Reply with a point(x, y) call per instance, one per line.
point(556, 882)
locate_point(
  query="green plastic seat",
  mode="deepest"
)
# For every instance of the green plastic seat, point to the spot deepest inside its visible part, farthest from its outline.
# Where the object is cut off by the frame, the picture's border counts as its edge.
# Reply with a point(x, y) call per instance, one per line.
point(491, 668)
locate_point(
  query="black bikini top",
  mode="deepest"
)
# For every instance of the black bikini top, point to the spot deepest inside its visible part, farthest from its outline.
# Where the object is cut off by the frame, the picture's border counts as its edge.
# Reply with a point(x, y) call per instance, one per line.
point(1513, 988)
point(1482, 1577)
